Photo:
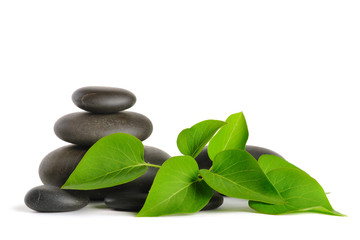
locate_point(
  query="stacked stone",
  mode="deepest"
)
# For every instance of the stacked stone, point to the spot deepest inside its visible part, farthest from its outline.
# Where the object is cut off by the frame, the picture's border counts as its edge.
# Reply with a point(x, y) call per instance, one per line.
point(104, 115)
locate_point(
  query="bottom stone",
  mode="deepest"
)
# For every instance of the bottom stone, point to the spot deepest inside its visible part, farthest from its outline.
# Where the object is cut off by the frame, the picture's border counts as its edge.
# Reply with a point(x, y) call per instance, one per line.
point(133, 201)
point(216, 201)
point(53, 199)
point(121, 201)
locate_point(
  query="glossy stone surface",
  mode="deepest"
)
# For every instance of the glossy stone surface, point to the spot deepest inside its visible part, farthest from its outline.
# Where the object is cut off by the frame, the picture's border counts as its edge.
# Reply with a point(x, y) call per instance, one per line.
point(85, 129)
point(134, 201)
point(123, 201)
point(103, 99)
point(141, 184)
point(216, 201)
point(53, 199)
point(204, 161)
point(57, 166)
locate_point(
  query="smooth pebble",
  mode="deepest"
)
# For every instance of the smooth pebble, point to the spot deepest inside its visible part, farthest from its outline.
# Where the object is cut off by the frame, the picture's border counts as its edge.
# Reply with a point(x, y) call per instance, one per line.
point(215, 202)
point(47, 198)
point(133, 201)
point(85, 129)
point(56, 167)
point(103, 99)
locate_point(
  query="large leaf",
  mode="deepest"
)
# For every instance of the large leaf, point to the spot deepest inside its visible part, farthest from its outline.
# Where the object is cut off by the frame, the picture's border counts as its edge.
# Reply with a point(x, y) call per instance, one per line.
point(115, 159)
point(300, 192)
point(192, 140)
point(177, 188)
point(270, 162)
point(237, 174)
point(232, 136)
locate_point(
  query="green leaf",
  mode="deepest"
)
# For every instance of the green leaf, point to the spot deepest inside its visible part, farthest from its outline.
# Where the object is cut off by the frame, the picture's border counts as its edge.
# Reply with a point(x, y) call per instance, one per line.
point(192, 140)
point(237, 174)
point(115, 159)
point(232, 136)
point(301, 193)
point(177, 188)
point(271, 162)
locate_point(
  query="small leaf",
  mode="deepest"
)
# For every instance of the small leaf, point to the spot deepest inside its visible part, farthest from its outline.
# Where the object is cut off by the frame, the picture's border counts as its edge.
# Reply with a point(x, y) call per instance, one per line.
point(177, 188)
point(192, 140)
point(271, 162)
point(300, 192)
point(237, 174)
point(115, 159)
point(232, 136)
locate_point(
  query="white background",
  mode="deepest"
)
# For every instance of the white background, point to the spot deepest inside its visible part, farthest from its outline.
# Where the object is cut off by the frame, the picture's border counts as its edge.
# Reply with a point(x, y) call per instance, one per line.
point(292, 67)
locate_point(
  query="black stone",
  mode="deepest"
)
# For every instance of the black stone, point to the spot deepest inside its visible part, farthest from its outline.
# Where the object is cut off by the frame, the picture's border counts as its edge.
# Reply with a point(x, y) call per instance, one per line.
point(134, 201)
point(203, 159)
point(103, 99)
point(205, 162)
point(53, 199)
point(85, 129)
point(126, 201)
point(216, 201)
point(57, 166)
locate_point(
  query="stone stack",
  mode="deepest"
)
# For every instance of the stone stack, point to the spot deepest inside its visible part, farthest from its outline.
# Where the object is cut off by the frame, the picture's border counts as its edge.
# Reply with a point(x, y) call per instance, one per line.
point(104, 115)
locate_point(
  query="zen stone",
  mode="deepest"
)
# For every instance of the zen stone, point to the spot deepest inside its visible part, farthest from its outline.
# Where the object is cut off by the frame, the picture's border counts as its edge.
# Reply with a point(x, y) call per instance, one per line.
point(53, 199)
point(103, 99)
point(143, 183)
point(205, 162)
point(216, 201)
point(133, 202)
point(203, 159)
point(57, 166)
point(85, 129)
point(123, 201)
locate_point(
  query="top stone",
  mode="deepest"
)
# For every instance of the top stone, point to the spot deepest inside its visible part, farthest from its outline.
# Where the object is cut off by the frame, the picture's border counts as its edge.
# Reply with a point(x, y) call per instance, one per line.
point(103, 99)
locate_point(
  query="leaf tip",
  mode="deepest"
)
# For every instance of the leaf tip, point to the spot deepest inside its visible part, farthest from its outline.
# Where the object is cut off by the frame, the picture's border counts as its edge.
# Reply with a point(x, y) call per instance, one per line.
point(339, 214)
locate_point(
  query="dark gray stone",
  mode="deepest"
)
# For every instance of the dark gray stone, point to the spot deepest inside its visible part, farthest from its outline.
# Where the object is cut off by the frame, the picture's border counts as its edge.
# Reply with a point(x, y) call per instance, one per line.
point(103, 99)
point(85, 129)
point(205, 162)
point(57, 166)
point(134, 201)
point(53, 199)
point(126, 201)
point(203, 159)
point(216, 201)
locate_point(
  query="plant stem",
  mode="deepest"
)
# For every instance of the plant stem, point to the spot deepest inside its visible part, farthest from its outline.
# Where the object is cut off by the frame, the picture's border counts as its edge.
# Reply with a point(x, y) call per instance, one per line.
point(152, 165)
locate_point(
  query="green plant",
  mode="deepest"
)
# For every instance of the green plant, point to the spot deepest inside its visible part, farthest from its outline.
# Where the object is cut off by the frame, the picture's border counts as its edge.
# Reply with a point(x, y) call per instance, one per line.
point(272, 185)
